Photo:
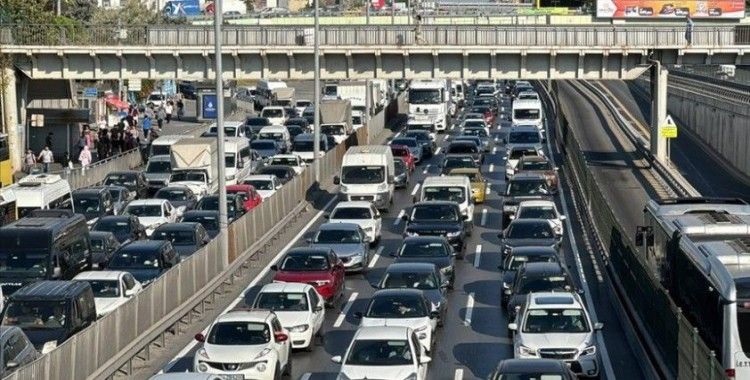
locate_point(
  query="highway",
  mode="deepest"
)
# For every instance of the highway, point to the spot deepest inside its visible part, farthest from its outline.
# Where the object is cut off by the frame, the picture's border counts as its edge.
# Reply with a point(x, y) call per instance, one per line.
point(475, 337)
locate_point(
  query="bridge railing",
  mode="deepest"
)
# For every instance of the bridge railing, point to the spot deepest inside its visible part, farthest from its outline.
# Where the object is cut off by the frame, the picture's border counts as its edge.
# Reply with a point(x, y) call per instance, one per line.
point(646, 36)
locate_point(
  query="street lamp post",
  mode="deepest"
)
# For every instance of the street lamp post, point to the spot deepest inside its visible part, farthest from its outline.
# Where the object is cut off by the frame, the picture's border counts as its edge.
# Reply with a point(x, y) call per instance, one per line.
point(223, 223)
point(316, 123)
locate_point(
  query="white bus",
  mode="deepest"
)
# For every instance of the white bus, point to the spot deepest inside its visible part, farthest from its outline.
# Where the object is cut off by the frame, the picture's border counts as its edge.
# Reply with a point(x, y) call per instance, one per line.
point(41, 191)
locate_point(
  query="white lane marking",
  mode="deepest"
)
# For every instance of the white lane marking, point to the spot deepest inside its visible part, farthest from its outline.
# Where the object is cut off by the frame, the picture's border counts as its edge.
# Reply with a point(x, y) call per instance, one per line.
point(306, 376)
point(497, 138)
point(469, 309)
point(459, 374)
point(437, 151)
point(416, 188)
point(375, 258)
point(492, 168)
point(484, 216)
point(478, 256)
point(398, 218)
point(579, 266)
point(345, 310)
point(487, 191)
point(426, 169)
point(453, 126)
point(494, 150)
point(254, 282)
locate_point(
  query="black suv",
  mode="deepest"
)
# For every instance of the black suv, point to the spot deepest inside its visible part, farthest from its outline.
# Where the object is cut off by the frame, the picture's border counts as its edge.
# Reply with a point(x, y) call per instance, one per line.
point(535, 278)
point(529, 233)
point(522, 187)
point(438, 218)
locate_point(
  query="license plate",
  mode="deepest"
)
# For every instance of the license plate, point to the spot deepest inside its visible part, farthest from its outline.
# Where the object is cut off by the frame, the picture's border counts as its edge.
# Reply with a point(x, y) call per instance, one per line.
point(232, 377)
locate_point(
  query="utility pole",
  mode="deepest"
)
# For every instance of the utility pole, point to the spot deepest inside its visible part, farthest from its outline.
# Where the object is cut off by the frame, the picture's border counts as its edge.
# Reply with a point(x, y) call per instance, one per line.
point(316, 124)
point(223, 222)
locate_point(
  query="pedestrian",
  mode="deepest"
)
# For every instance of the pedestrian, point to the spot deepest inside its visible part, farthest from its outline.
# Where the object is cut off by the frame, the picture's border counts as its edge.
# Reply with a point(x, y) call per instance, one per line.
point(29, 160)
point(160, 116)
point(85, 159)
point(67, 163)
point(150, 112)
point(48, 140)
point(168, 109)
point(418, 39)
point(80, 144)
point(102, 123)
point(180, 109)
point(47, 158)
point(689, 31)
point(146, 126)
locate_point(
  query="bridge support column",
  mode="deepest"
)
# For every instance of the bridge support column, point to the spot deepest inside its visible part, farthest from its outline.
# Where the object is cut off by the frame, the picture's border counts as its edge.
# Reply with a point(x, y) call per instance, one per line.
point(10, 115)
point(659, 77)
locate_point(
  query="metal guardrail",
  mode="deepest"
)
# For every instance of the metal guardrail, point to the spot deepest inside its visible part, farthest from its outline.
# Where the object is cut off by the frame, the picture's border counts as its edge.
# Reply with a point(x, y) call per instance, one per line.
point(235, 36)
point(729, 91)
point(677, 343)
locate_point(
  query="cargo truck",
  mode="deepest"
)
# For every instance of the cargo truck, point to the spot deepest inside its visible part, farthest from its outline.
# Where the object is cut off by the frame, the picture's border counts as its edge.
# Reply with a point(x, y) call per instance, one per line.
point(284, 97)
point(336, 119)
point(195, 165)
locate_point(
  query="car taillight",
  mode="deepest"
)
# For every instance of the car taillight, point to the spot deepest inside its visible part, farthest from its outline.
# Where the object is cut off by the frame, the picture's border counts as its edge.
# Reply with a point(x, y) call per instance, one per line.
point(729, 372)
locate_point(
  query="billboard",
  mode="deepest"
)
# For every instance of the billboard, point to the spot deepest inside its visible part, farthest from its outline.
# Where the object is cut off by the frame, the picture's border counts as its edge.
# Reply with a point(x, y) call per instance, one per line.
point(209, 106)
point(732, 9)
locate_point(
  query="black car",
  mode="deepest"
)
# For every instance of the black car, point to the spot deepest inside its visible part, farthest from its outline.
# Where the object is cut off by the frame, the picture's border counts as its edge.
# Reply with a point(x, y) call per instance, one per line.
point(532, 369)
point(457, 162)
point(125, 227)
point(423, 276)
point(93, 203)
point(438, 218)
point(528, 233)
point(295, 130)
point(254, 124)
point(401, 179)
point(428, 249)
point(535, 278)
point(466, 148)
point(178, 196)
point(208, 219)
point(283, 173)
point(520, 256)
point(522, 187)
point(424, 139)
point(120, 197)
point(133, 180)
point(400, 303)
point(103, 245)
point(298, 121)
point(186, 237)
point(235, 205)
point(145, 259)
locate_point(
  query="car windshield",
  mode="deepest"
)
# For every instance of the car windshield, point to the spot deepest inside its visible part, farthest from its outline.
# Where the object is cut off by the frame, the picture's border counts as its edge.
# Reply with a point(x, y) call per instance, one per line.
point(458, 162)
point(516, 261)
point(143, 210)
point(286, 161)
point(112, 225)
point(276, 136)
point(120, 179)
point(36, 315)
point(418, 280)
point(526, 114)
point(303, 103)
point(239, 334)
point(135, 259)
point(97, 244)
point(535, 284)
point(537, 212)
point(304, 262)
point(535, 165)
point(24, 259)
point(357, 120)
point(208, 222)
point(396, 306)
point(229, 160)
point(362, 174)
point(480, 109)
point(380, 353)
point(259, 184)
point(445, 193)
point(400, 151)
point(530, 231)
point(105, 288)
point(272, 112)
point(338, 237)
point(423, 249)
point(475, 132)
point(171, 195)
point(159, 167)
point(263, 145)
point(86, 205)
point(522, 188)
point(473, 124)
point(435, 212)
point(282, 302)
point(541, 321)
point(188, 177)
point(351, 213)
point(332, 129)
point(412, 143)
point(524, 137)
point(176, 237)
point(419, 136)
point(424, 96)
point(116, 194)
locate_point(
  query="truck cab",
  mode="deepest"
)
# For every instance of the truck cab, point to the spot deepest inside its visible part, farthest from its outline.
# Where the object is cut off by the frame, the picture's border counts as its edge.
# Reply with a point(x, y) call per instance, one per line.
point(431, 98)
point(367, 174)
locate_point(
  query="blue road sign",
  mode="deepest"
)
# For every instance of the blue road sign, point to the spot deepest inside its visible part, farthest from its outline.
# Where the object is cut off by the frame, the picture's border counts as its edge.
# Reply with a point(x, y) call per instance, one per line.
point(209, 106)
point(90, 92)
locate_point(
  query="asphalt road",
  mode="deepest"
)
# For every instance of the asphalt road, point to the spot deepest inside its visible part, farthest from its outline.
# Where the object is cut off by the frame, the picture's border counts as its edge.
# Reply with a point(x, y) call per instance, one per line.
point(475, 337)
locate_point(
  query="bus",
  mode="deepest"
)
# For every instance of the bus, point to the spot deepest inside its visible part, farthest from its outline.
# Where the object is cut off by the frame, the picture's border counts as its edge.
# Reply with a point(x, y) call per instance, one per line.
point(699, 249)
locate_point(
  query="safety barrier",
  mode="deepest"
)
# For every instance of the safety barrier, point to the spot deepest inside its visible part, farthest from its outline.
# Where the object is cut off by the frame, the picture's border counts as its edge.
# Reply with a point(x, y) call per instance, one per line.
point(95, 173)
point(678, 344)
point(113, 341)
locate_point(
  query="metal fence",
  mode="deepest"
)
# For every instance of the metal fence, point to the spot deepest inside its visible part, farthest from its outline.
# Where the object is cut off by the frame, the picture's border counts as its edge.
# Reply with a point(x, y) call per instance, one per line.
point(678, 343)
point(372, 35)
point(95, 173)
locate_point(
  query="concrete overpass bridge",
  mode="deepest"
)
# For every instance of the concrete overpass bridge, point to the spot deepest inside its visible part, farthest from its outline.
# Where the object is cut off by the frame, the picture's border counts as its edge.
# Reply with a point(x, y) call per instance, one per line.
point(358, 52)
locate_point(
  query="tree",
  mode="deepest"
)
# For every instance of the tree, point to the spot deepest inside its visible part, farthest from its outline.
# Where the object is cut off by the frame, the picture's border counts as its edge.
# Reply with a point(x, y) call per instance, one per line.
point(131, 12)
point(81, 10)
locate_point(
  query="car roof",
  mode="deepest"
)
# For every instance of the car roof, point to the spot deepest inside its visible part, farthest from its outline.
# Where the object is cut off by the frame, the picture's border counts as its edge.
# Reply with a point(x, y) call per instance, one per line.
point(276, 167)
point(242, 315)
point(266, 177)
point(536, 203)
point(526, 365)
point(363, 204)
point(411, 267)
point(100, 234)
point(143, 245)
point(285, 287)
point(381, 332)
point(554, 300)
point(435, 203)
point(200, 213)
point(339, 226)
point(116, 217)
point(426, 239)
point(180, 226)
point(309, 250)
point(173, 188)
point(542, 268)
point(533, 251)
point(99, 275)
point(534, 158)
point(528, 176)
point(465, 171)
point(50, 290)
point(523, 128)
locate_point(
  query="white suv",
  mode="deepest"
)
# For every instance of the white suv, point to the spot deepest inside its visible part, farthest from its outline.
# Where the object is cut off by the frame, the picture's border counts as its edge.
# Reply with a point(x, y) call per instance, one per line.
point(362, 213)
point(557, 326)
point(541, 209)
point(298, 306)
point(249, 344)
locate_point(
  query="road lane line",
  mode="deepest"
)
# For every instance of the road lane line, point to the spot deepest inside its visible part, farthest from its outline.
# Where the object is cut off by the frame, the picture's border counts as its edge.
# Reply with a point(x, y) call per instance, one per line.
point(484, 217)
point(345, 310)
point(437, 151)
point(416, 188)
point(398, 218)
point(469, 310)
point(478, 256)
point(306, 376)
point(459, 374)
point(494, 150)
point(426, 169)
point(492, 168)
point(487, 190)
point(253, 283)
point(375, 258)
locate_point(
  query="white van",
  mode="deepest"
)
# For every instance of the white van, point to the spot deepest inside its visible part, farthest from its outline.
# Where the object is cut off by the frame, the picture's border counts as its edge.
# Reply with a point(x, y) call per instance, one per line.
point(41, 191)
point(279, 134)
point(275, 114)
point(162, 145)
point(237, 159)
point(527, 112)
point(451, 188)
point(367, 174)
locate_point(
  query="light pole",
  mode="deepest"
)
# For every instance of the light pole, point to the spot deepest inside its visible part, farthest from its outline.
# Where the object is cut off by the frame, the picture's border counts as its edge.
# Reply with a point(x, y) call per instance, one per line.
point(223, 223)
point(316, 123)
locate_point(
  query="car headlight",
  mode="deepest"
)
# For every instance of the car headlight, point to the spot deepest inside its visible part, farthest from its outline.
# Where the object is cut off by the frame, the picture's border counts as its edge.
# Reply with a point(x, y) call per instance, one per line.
point(526, 351)
point(202, 353)
point(261, 367)
point(322, 282)
point(413, 376)
point(299, 328)
point(590, 350)
point(453, 234)
point(447, 270)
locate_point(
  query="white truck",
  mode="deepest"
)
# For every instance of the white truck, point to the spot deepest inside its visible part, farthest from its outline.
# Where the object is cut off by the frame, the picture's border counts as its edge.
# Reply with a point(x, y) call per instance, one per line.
point(356, 92)
point(195, 165)
point(265, 90)
point(283, 96)
point(336, 119)
point(431, 98)
point(367, 174)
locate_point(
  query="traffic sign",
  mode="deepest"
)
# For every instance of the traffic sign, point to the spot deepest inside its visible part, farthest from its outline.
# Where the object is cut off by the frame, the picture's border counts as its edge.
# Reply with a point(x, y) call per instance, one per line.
point(209, 106)
point(668, 129)
point(90, 92)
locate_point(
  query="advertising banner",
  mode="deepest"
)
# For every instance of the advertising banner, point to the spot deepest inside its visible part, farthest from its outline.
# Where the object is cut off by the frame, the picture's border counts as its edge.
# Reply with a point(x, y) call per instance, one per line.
point(698, 9)
point(209, 106)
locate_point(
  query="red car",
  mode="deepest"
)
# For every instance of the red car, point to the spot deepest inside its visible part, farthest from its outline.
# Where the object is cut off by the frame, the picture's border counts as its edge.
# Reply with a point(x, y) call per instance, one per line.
point(319, 267)
point(404, 152)
point(252, 198)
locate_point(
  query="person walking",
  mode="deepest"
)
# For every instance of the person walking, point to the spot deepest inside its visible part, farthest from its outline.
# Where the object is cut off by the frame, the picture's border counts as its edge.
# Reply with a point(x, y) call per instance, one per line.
point(180, 109)
point(29, 160)
point(47, 158)
point(689, 31)
point(48, 140)
point(67, 163)
point(146, 126)
point(85, 159)
point(160, 116)
point(168, 109)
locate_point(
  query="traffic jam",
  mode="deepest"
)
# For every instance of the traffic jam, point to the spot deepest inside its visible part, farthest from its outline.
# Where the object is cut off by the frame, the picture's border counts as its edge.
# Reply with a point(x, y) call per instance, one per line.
point(460, 207)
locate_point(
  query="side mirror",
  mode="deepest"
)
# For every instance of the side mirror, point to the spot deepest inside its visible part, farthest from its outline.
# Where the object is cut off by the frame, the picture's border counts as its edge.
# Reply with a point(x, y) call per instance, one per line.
point(308, 241)
point(434, 314)
point(56, 272)
point(200, 337)
point(464, 217)
point(512, 326)
point(358, 315)
point(317, 309)
point(274, 267)
point(129, 292)
point(563, 217)
point(425, 360)
point(511, 217)
point(11, 365)
point(336, 359)
point(336, 180)
point(507, 292)
point(327, 216)
point(598, 326)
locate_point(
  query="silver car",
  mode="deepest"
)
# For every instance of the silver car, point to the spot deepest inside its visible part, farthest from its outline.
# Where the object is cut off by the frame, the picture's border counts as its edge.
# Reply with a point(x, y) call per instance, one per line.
point(347, 240)
point(15, 344)
point(157, 173)
point(415, 147)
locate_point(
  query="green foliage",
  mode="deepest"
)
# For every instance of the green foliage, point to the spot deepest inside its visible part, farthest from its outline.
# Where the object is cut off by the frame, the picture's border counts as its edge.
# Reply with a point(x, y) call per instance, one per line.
point(26, 12)
point(80, 10)
point(131, 12)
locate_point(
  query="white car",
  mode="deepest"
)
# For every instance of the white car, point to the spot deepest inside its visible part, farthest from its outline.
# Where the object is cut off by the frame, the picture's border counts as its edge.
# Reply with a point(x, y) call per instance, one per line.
point(294, 161)
point(275, 114)
point(111, 288)
point(475, 123)
point(153, 213)
point(301, 105)
point(556, 325)
point(362, 213)
point(392, 352)
point(157, 99)
point(300, 309)
point(402, 307)
point(249, 344)
point(265, 184)
point(541, 209)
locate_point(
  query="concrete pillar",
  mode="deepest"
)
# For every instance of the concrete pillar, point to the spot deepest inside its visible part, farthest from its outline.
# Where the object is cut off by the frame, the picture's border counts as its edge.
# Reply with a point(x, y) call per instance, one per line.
point(10, 116)
point(659, 77)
